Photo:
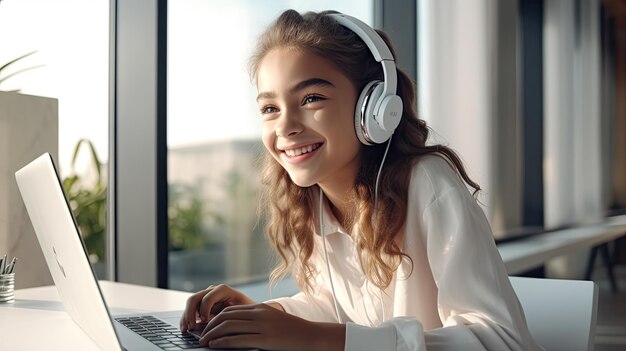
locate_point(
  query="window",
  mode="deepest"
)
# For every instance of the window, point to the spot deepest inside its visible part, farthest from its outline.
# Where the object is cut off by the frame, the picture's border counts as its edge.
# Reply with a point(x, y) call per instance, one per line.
point(69, 41)
point(214, 139)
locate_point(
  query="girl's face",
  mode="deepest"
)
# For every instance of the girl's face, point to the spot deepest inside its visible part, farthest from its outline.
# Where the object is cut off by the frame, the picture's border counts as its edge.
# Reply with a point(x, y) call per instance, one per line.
point(307, 107)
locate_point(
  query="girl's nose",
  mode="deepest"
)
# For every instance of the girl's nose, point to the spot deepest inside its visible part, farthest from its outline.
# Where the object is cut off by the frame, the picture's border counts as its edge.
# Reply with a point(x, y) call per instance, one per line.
point(289, 124)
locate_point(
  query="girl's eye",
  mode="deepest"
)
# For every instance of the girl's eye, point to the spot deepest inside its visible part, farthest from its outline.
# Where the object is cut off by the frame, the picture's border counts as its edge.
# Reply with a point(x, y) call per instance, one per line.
point(309, 99)
point(268, 109)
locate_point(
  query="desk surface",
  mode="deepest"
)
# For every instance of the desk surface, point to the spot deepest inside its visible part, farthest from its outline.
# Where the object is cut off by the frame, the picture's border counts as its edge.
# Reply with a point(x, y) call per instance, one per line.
point(525, 254)
point(41, 311)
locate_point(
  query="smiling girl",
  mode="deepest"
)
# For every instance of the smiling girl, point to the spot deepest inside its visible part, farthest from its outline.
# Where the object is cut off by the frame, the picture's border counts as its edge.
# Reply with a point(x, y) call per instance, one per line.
point(377, 227)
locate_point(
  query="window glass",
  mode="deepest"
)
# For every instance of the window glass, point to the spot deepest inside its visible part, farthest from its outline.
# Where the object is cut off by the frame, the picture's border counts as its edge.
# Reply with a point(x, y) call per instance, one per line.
point(214, 138)
point(66, 45)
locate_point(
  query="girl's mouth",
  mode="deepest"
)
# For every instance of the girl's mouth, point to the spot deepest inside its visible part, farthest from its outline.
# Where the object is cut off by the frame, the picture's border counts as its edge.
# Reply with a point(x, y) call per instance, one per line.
point(303, 150)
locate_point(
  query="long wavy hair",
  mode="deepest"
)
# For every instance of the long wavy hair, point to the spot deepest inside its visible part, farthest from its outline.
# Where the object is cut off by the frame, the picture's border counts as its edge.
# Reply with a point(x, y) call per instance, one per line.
point(291, 211)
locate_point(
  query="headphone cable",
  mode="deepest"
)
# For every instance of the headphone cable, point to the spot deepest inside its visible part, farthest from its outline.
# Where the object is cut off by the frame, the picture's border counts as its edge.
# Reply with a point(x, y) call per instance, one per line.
point(330, 277)
point(380, 169)
point(323, 233)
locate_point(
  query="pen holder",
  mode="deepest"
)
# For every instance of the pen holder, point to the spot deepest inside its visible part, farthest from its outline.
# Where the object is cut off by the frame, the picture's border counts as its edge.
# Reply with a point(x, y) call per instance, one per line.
point(7, 288)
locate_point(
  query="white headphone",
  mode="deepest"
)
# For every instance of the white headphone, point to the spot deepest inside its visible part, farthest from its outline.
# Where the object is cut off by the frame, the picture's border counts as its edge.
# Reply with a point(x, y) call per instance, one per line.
point(378, 109)
point(376, 116)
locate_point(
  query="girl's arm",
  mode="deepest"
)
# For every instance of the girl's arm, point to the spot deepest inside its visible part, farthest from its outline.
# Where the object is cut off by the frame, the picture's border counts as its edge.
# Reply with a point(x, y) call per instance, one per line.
point(265, 327)
point(319, 305)
point(475, 301)
point(235, 321)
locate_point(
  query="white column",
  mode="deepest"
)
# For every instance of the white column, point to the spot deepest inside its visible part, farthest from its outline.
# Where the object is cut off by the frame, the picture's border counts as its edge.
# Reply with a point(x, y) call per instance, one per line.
point(572, 162)
point(455, 80)
point(468, 94)
point(588, 136)
point(558, 49)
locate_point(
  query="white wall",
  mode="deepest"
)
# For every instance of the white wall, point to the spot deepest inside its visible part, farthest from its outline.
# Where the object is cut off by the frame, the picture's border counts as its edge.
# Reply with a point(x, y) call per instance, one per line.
point(28, 128)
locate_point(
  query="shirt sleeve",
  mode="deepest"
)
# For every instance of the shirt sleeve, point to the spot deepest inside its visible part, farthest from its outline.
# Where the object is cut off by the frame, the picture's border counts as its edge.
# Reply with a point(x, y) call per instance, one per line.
point(406, 333)
point(318, 306)
point(476, 302)
point(400, 333)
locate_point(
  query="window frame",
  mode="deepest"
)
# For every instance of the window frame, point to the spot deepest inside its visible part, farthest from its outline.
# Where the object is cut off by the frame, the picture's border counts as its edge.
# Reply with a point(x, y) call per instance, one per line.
point(137, 195)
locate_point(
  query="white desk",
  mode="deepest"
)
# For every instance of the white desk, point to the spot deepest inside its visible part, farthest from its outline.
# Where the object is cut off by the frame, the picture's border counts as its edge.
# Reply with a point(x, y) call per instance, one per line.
point(37, 320)
point(525, 254)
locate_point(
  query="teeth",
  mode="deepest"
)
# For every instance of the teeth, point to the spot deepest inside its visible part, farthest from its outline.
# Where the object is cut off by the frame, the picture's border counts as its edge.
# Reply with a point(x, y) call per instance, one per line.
point(302, 150)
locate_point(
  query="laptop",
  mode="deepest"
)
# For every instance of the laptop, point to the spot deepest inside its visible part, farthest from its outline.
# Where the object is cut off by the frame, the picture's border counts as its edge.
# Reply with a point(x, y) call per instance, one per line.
point(78, 288)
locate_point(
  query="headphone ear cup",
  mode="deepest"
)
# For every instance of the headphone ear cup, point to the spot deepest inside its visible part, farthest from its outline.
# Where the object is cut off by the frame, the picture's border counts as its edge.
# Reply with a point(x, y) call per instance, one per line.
point(363, 107)
point(389, 113)
point(376, 117)
point(374, 131)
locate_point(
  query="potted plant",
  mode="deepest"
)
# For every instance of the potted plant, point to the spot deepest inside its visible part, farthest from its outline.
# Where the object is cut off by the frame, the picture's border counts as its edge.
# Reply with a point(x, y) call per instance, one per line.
point(87, 197)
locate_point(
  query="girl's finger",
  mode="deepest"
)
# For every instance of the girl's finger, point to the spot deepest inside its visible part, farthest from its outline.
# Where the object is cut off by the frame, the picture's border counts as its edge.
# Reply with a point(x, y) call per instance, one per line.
point(232, 313)
point(188, 320)
point(243, 341)
point(211, 303)
point(231, 327)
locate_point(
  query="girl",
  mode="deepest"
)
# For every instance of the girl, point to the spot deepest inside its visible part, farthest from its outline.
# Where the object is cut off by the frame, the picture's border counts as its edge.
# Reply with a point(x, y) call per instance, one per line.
point(389, 248)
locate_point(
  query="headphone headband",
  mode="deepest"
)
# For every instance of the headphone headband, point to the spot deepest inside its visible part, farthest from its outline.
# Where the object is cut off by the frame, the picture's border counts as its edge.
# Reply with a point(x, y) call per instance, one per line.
point(377, 46)
point(379, 109)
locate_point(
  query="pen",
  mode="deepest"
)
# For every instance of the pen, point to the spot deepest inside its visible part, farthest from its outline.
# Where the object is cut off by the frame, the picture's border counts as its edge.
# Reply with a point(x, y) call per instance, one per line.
point(2, 263)
point(11, 266)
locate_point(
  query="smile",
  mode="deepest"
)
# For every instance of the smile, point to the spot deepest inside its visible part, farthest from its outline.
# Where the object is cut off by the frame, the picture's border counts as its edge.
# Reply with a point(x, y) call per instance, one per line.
point(302, 150)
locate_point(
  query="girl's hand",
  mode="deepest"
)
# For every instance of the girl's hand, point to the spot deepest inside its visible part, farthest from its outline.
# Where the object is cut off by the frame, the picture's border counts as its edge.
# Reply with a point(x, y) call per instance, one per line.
point(208, 303)
point(266, 327)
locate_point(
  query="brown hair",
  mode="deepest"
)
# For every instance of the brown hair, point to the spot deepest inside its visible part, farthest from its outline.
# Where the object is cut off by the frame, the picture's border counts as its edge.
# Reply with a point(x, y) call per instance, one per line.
point(290, 210)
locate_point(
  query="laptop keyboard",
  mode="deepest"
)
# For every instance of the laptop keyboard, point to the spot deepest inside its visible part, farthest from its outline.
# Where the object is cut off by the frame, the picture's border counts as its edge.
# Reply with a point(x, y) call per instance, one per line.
point(160, 333)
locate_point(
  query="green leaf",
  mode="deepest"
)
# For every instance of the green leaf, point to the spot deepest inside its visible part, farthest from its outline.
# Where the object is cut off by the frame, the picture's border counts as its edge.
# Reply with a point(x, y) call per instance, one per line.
point(15, 60)
point(18, 72)
point(94, 157)
point(6, 65)
point(89, 203)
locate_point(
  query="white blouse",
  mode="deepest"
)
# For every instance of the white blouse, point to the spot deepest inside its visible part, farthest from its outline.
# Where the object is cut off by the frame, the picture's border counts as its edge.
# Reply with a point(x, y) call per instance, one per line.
point(458, 295)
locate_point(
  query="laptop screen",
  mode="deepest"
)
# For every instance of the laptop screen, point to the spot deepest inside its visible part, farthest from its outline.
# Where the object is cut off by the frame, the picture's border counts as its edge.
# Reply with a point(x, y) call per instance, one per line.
point(64, 250)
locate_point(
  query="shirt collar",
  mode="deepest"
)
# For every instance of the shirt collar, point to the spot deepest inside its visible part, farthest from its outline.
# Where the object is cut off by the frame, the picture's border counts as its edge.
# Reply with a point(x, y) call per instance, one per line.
point(330, 223)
